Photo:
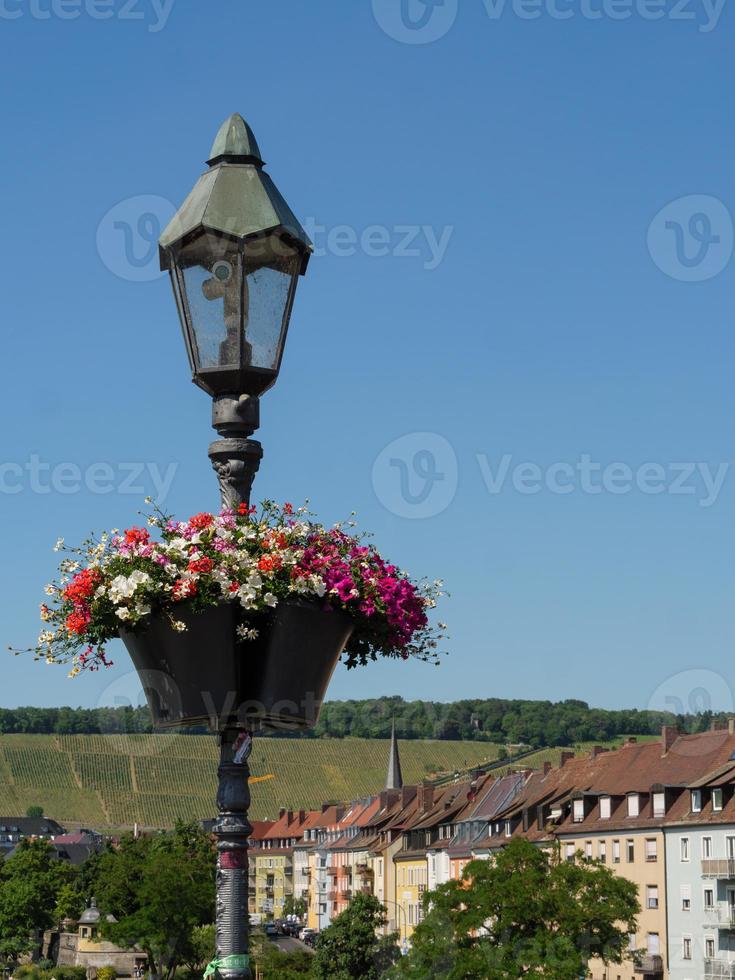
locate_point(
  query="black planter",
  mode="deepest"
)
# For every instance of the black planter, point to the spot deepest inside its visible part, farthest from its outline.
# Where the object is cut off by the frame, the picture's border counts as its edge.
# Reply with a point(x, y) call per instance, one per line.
point(205, 675)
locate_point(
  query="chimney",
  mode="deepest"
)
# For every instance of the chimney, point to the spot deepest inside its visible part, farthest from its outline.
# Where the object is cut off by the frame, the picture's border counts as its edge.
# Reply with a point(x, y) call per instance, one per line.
point(632, 740)
point(547, 768)
point(565, 757)
point(731, 725)
point(302, 816)
point(669, 734)
point(282, 812)
point(426, 796)
point(289, 817)
point(407, 794)
point(597, 750)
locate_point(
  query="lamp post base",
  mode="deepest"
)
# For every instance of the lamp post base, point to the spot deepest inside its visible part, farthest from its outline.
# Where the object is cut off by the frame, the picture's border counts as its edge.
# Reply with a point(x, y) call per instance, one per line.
point(232, 831)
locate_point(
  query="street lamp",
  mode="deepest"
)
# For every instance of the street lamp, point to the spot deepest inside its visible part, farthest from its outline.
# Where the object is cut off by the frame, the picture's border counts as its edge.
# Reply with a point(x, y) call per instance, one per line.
point(234, 252)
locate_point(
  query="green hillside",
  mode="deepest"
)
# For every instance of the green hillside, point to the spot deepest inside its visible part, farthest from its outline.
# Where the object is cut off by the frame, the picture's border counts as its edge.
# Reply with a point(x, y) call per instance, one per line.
point(114, 781)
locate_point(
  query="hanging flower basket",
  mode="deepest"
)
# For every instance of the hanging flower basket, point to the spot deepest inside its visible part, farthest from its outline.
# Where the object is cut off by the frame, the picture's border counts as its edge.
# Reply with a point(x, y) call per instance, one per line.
point(235, 617)
point(206, 675)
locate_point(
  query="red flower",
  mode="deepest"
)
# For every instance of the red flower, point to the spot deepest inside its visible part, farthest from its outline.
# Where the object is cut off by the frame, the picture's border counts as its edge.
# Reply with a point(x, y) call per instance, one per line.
point(76, 622)
point(234, 586)
point(137, 535)
point(288, 509)
point(82, 586)
point(269, 563)
point(245, 511)
point(200, 521)
point(201, 565)
point(184, 588)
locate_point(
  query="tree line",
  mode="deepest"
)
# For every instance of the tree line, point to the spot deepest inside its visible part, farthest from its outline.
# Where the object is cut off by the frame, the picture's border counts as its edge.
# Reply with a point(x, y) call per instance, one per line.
point(500, 720)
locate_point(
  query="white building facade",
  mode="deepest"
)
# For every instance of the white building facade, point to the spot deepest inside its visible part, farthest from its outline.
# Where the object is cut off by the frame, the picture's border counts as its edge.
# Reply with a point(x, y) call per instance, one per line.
point(700, 878)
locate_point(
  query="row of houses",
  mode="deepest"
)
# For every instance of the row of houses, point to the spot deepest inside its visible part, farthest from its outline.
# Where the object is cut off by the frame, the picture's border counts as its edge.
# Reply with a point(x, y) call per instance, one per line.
point(661, 813)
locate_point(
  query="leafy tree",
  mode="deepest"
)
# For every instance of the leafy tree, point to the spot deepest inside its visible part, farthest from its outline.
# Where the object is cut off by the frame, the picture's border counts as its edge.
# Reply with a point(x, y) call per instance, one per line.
point(200, 949)
point(526, 913)
point(276, 965)
point(34, 811)
point(30, 882)
point(295, 906)
point(350, 946)
point(159, 889)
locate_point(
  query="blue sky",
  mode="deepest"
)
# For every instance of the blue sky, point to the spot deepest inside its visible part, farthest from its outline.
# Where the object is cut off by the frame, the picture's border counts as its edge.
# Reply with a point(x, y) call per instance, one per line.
point(522, 215)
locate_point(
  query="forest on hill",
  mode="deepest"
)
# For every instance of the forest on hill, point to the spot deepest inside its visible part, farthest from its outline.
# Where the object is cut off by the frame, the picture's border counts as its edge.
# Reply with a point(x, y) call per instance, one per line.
point(503, 721)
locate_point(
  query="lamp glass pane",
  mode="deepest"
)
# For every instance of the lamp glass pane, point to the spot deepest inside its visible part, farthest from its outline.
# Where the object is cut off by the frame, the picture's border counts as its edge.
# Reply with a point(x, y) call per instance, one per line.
point(268, 291)
point(211, 268)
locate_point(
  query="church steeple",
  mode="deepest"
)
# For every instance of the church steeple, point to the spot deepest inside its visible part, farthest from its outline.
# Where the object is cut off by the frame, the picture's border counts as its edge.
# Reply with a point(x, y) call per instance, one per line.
point(395, 778)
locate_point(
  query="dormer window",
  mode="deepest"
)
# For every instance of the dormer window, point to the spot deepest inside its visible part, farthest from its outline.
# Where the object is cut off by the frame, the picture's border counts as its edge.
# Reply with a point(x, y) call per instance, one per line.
point(507, 828)
point(634, 806)
point(696, 800)
point(659, 804)
point(605, 808)
point(717, 800)
point(578, 811)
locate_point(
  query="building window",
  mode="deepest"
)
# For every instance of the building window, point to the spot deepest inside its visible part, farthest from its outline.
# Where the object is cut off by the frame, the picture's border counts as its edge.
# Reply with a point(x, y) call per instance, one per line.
point(716, 800)
point(709, 948)
point(651, 849)
point(659, 804)
point(633, 805)
point(570, 852)
point(686, 947)
point(730, 847)
point(696, 800)
point(616, 852)
point(602, 852)
point(684, 848)
point(630, 851)
point(604, 808)
point(651, 896)
point(686, 898)
point(588, 850)
point(709, 898)
point(653, 944)
point(706, 847)
point(507, 828)
point(578, 811)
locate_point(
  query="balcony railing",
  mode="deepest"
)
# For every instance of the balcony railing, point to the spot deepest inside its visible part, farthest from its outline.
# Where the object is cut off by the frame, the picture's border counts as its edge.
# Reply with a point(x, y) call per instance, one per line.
point(721, 915)
point(719, 970)
point(718, 868)
point(649, 966)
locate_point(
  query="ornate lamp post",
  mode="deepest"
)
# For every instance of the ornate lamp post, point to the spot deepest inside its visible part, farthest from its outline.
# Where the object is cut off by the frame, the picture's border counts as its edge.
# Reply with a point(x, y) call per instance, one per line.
point(234, 252)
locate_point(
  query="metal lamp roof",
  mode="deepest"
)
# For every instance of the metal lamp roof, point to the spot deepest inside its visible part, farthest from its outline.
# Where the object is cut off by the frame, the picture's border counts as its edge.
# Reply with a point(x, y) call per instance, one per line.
point(234, 198)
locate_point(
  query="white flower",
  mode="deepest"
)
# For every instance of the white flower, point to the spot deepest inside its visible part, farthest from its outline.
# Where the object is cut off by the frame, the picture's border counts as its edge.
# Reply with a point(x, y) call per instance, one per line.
point(244, 633)
point(99, 591)
point(138, 578)
point(50, 590)
point(59, 544)
point(317, 585)
point(269, 599)
point(178, 625)
point(142, 609)
point(123, 613)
